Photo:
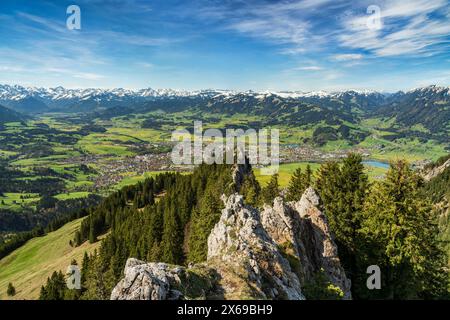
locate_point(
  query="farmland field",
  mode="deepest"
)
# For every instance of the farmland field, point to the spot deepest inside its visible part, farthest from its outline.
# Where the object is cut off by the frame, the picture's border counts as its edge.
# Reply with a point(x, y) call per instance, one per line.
point(86, 159)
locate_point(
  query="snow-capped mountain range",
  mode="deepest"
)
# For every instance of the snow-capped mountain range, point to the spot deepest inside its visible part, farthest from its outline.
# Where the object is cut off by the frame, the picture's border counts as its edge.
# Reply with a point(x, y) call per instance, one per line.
point(17, 92)
point(33, 99)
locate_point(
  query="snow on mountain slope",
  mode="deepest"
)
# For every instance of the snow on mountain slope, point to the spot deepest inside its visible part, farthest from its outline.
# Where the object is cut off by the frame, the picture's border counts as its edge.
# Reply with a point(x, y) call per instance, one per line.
point(24, 98)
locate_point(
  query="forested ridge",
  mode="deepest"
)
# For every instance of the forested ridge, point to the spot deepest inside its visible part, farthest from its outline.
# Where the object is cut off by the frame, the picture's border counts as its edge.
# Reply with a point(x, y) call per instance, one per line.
point(389, 223)
point(167, 219)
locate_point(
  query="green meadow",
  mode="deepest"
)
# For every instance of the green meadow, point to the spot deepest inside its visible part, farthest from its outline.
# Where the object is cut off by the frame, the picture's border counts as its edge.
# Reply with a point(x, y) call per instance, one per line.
point(286, 170)
point(28, 267)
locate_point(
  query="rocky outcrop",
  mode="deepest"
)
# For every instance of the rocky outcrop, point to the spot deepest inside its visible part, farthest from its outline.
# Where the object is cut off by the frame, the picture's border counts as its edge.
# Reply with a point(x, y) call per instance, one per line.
point(434, 172)
point(161, 281)
point(270, 254)
point(148, 281)
point(302, 233)
point(239, 172)
point(241, 244)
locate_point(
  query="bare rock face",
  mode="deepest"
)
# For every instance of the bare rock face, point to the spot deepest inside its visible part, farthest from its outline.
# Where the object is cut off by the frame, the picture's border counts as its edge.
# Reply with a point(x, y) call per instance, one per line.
point(148, 281)
point(302, 233)
point(241, 248)
point(239, 172)
point(436, 171)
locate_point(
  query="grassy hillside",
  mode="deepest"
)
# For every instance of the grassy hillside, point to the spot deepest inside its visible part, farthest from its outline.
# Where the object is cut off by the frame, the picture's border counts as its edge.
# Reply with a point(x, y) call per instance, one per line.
point(29, 266)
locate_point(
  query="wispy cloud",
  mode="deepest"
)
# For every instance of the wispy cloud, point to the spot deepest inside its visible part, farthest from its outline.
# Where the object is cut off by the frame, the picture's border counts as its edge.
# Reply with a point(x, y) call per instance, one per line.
point(285, 23)
point(409, 27)
point(88, 76)
point(415, 27)
point(347, 57)
point(309, 68)
point(292, 44)
point(47, 47)
point(51, 25)
point(133, 38)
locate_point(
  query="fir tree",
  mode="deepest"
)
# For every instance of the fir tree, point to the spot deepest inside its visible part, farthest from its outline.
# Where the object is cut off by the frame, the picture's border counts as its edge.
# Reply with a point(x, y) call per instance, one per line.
point(55, 287)
point(271, 190)
point(203, 220)
point(11, 291)
point(251, 190)
point(342, 189)
point(172, 239)
point(299, 183)
point(95, 280)
point(403, 231)
point(84, 268)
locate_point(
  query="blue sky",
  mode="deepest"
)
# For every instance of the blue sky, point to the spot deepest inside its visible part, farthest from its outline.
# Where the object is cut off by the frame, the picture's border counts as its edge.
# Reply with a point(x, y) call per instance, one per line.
point(241, 45)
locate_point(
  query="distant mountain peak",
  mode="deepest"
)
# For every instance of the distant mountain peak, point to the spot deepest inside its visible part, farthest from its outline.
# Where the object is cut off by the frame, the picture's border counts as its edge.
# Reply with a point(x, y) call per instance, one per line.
point(17, 92)
point(431, 88)
point(38, 99)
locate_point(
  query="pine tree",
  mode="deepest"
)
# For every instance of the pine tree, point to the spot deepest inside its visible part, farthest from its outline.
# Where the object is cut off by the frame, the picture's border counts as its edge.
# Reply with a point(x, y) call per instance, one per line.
point(327, 184)
point(172, 239)
point(92, 233)
point(55, 287)
point(251, 190)
point(11, 291)
point(95, 288)
point(155, 252)
point(156, 223)
point(271, 190)
point(84, 268)
point(308, 176)
point(203, 220)
point(353, 187)
point(403, 230)
point(299, 183)
point(342, 189)
point(295, 187)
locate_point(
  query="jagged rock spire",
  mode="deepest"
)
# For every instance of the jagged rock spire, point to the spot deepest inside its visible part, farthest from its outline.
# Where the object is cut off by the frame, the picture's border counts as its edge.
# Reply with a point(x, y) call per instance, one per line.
point(302, 229)
point(242, 249)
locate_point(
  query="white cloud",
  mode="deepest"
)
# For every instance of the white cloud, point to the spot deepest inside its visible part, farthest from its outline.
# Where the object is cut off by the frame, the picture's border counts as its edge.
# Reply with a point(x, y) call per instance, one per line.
point(286, 23)
point(401, 8)
point(292, 51)
point(88, 76)
point(13, 69)
point(58, 27)
point(347, 57)
point(133, 39)
point(309, 68)
point(282, 30)
point(408, 29)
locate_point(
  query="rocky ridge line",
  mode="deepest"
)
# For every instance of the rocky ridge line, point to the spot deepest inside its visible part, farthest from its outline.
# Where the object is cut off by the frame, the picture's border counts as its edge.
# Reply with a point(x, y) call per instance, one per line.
point(251, 255)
